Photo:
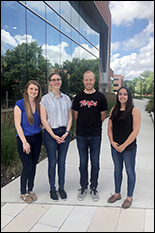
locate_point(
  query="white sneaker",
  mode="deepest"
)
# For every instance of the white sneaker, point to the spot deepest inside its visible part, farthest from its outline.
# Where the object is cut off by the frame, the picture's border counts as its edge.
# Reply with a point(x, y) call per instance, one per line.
point(82, 194)
point(94, 194)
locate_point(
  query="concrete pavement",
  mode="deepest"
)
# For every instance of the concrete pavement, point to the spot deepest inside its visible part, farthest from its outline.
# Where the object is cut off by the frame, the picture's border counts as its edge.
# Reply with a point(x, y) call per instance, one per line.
point(87, 216)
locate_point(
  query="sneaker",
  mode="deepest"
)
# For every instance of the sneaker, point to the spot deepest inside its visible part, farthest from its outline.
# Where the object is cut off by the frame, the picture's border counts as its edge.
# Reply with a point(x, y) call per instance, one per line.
point(82, 194)
point(53, 195)
point(63, 194)
point(94, 194)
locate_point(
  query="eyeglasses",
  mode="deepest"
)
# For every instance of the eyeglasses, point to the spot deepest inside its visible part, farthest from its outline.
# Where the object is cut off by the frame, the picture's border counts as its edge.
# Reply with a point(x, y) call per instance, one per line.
point(54, 80)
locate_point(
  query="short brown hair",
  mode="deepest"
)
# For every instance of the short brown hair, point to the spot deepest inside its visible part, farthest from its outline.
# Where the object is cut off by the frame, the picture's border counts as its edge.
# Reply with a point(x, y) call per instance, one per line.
point(54, 73)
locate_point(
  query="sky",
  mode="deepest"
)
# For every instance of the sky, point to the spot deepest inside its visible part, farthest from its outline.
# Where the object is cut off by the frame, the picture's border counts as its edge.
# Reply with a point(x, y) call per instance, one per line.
point(132, 37)
point(132, 34)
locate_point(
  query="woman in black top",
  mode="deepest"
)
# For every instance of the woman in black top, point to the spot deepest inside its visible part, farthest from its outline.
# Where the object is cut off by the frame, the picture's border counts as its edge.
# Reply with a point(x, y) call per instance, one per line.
point(123, 128)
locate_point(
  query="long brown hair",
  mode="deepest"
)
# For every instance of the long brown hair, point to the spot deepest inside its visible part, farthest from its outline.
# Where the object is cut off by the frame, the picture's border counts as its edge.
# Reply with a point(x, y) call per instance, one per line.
point(129, 104)
point(27, 106)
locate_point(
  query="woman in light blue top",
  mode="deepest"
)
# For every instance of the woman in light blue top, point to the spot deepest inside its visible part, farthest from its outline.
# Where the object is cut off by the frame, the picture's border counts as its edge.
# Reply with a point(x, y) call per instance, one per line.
point(56, 117)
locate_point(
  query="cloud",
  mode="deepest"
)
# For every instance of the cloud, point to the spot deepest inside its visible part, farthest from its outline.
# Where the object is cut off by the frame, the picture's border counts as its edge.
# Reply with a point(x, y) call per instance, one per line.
point(129, 66)
point(115, 46)
point(140, 46)
point(20, 39)
point(139, 40)
point(55, 53)
point(115, 56)
point(134, 64)
point(7, 38)
point(81, 53)
point(124, 12)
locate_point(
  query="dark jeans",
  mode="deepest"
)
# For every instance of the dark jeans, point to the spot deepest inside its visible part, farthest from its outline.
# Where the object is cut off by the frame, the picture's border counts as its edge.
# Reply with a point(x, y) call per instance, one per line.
point(128, 157)
point(56, 155)
point(85, 146)
point(29, 161)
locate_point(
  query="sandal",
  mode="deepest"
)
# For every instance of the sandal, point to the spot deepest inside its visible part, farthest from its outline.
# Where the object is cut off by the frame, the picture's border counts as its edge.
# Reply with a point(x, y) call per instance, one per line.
point(26, 198)
point(126, 204)
point(32, 195)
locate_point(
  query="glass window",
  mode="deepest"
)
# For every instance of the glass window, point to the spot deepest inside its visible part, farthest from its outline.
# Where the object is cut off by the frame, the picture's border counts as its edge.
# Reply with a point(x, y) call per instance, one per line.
point(65, 9)
point(65, 49)
point(53, 45)
point(13, 54)
point(55, 5)
point(65, 13)
point(74, 22)
point(13, 30)
point(35, 28)
point(36, 49)
point(37, 6)
point(52, 16)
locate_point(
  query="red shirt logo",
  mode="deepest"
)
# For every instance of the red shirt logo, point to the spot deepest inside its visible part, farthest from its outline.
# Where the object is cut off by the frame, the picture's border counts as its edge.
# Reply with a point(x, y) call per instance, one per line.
point(88, 103)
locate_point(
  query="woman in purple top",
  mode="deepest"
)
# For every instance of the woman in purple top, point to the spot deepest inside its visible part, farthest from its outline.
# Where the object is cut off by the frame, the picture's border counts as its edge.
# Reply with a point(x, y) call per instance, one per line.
point(29, 137)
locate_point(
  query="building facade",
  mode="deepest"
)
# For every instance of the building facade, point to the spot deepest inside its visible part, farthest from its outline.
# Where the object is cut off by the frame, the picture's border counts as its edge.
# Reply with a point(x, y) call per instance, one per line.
point(118, 82)
point(62, 35)
point(105, 44)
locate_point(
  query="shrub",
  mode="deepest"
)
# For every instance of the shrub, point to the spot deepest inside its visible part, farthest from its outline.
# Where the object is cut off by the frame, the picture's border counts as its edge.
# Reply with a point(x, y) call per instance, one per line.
point(73, 128)
point(111, 100)
point(9, 154)
point(150, 106)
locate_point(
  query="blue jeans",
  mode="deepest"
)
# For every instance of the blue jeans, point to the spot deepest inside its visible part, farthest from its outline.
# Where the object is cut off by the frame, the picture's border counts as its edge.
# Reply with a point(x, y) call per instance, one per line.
point(56, 155)
point(29, 161)
point(128, 157)
point(85, 146)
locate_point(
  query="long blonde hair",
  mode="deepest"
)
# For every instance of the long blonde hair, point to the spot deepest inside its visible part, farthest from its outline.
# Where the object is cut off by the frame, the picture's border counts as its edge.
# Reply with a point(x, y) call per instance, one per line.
point(27, 106)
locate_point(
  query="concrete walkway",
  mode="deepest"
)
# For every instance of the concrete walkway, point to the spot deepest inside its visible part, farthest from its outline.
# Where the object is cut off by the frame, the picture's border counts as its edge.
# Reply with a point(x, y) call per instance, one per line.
point(87, 216)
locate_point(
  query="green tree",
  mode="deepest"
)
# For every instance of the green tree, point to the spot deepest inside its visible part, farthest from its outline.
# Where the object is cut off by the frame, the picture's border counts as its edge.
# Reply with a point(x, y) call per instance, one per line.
point(3, 62)
point(24, 62)
point(129, 84)
point(148, 84)
point(65, 87)
point(144, 84)
point(76, 69)
point(111, 85)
